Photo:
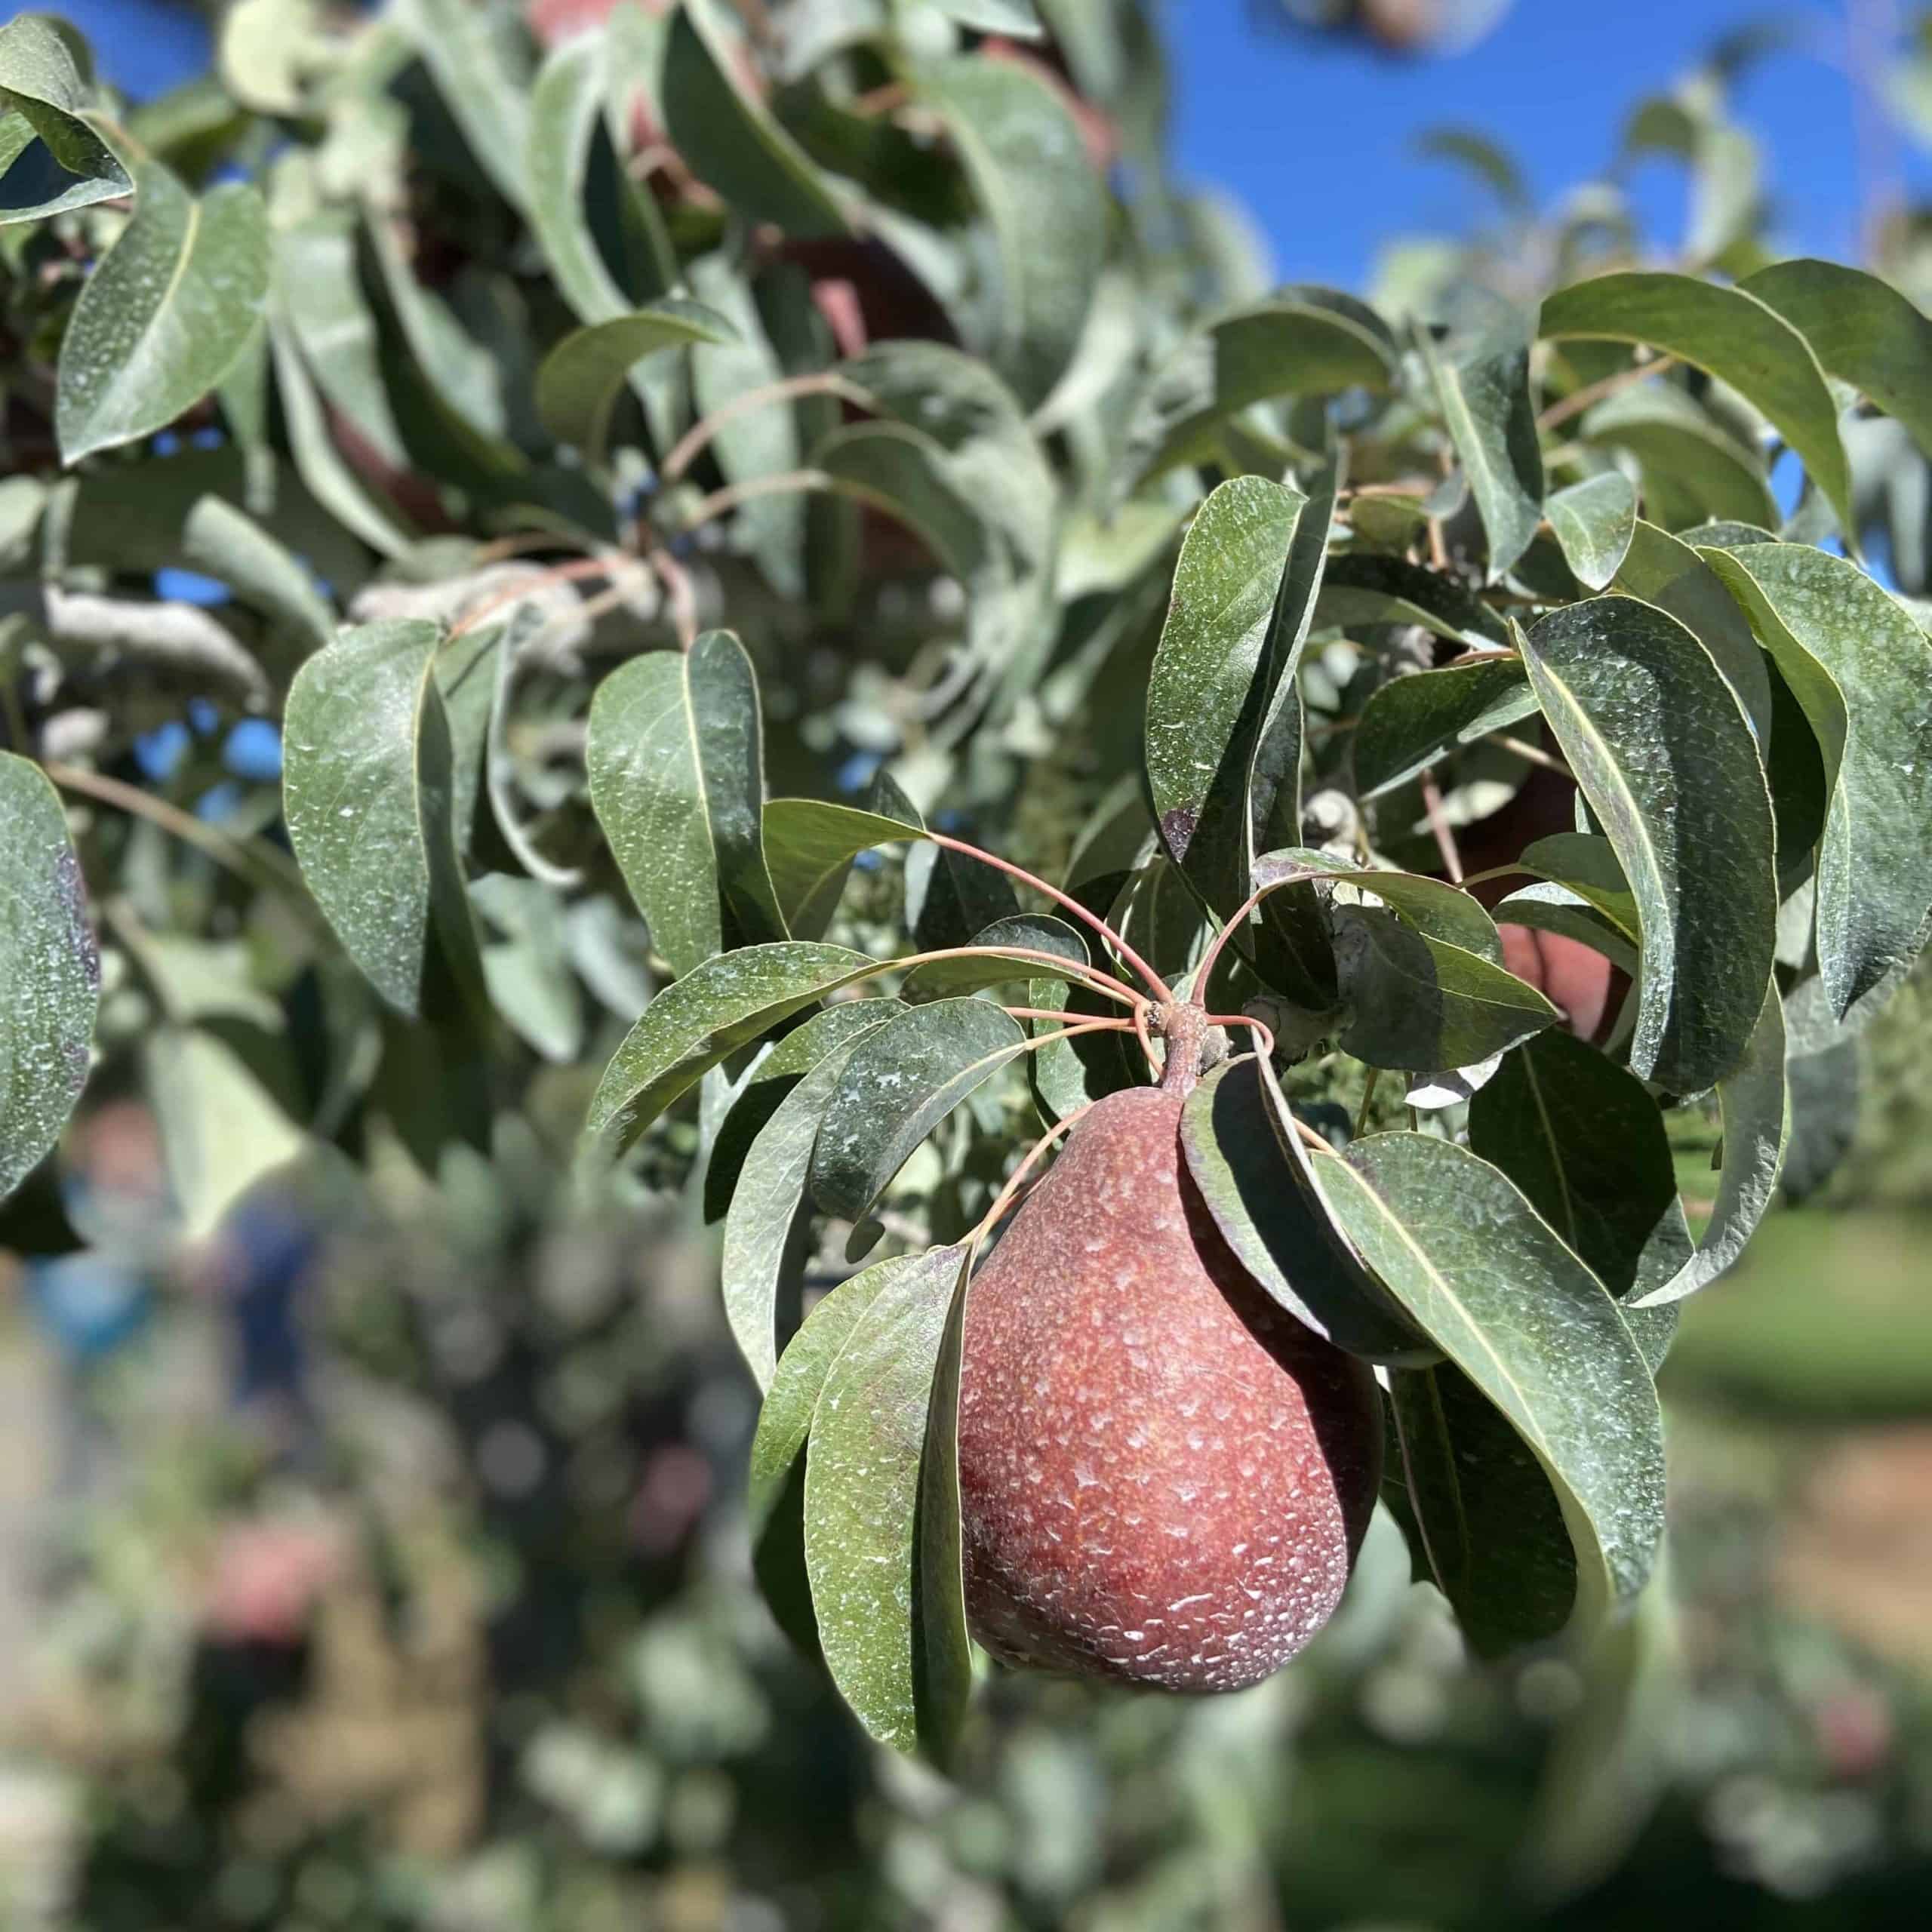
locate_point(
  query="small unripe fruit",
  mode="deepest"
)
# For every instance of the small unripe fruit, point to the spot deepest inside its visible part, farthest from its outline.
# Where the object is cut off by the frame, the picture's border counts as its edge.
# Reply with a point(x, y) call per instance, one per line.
point(1164, 1477)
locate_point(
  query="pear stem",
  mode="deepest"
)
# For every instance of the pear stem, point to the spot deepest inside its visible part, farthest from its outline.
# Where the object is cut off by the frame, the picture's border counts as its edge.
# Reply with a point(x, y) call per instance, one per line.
point(1185, 1029)
point(1158, 987)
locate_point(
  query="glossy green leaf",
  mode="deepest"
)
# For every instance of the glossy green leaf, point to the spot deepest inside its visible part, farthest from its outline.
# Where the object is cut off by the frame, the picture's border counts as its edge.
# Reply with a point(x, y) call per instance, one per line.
point(1418, 1004)
point(897, 1087)
point(1533, 1330)
point(809, 847)
point(1431, 905)
point(1243, 591)
point(367, 782)
point(1585, 1143)
point(1482, 375)
point(1756, 1104)
point(1862, 670)
point(1694, 469)
point(1019, 932)
point(50, 159)
point(1664, 753)
point(768, 1210)
point(1670, 574)
point(1734, 335)
point(480, 65)
point(1270, 1214)
point(675, 759)
point(49, 972)
point(1043, 199)
point(884, 1569)
point(1862, 330)
point(729, 138)
point(166, 314)
point(1413, 722)
point(1299, 341)
point(1361, 588)
point(579, 380)
point(763, 1090)
point(695, 1022)
point(1593, 521)
point(775, 1481)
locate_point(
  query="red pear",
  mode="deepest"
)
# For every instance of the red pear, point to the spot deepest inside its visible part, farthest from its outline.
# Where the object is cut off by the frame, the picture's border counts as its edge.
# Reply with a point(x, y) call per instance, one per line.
point(1164, 1476)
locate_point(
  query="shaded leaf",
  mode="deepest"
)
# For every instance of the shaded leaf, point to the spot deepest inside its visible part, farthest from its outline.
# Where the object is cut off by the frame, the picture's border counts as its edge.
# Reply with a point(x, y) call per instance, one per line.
point(479, 63)
point(566, 114)
point(1028, 932)
point(1271, 1215)
point(1862, 670)
point(1756, 1100)
point(1583, 863)
point(1694, 469)
point(1416, 1004)
point(809, 847)
point(166, 314)
point(1413, 722)
point(1662, 750)
point(49, 972)
point(1361, 588)
point(675, 755)
point(580, 379)
point(231, 546)
point(1547, 908)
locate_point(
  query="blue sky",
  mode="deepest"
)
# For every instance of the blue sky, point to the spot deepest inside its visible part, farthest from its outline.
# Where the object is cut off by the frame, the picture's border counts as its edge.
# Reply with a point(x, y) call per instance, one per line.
point(1317, 139)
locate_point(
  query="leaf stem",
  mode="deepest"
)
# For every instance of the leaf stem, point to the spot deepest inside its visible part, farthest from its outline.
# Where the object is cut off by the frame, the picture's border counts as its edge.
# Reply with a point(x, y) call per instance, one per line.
point(1577, 401)
point(570, 573)
point(1027, 1162)
point(1158, 987)
point(1440, 828)
point(695, 440)
point(707, 510)
point(1238, 918)
point(1090, 977)
point(1360, 1127)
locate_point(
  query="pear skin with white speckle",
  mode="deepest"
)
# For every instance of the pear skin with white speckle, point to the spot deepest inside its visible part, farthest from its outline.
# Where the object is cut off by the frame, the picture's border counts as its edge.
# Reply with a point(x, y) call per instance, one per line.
point(1164, 1477)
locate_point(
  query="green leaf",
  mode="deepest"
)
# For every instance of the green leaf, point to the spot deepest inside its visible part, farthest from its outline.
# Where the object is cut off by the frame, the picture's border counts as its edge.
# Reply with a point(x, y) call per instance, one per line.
point(1243, 591)
point(1361, 588)
point(809, 846)
point(1862, 330)
point(902, 471)
point(1264, 1201)
point(478, 58)
point(566, 114)
point(881, 1542)
point(1862, 670)
point(1489, 163)
point(368, 787)
point(1547, 908)
point(1756, 1100)
point(165, 316)
point(1531, 1328)
point(1733, 336)
point(1694, 469)
point(527, 971)
point(49, 972)
point(698, 1021)
point(1043, 200)
point(222, 1131)
point(675, 755)
point(1593, 521)
point(1028, 932)
point(221, 541)
point(729, 139)
point(897, 1087)
point(1670, 575)
point(50, 159)
point(1481, 376)
point(1413, 722)
point(579, 381)
point(1418, 1004)
point(1299, 341)
point(1583, 863)
point(768, 1210)
point(1662, 750)
point(776, 1073)
point(775, 1481)
point(1016, 17)
point(1432, 907)
point(1585, 1143)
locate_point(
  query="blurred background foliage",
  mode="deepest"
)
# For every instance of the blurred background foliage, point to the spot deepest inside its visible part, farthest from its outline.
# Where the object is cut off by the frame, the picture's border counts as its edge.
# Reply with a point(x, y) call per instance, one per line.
point(399, 1580)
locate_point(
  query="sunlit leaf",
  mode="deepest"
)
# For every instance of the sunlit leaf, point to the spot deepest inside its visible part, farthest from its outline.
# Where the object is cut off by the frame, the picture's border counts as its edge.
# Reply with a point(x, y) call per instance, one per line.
point(1593, 521)
point(50, 159)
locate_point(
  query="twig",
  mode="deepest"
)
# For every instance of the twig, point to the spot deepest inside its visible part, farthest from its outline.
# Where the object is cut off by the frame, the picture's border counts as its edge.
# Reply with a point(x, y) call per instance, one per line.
point(1577, 401)
point(1516, 747)
point(823, 382)
point(1438, 825)
point(679, 589)
point(1360, 1127)
point(707, 510)
point(571, 572)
